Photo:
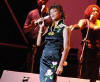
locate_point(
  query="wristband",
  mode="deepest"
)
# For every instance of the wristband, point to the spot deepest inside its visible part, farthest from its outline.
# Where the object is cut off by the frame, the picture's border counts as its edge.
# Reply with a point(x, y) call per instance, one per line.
point(40, 32)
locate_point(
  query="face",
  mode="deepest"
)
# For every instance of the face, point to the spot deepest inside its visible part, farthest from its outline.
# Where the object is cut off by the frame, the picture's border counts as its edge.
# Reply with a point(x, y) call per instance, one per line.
point(55, 14)
point(41, 2)
point(95, 13)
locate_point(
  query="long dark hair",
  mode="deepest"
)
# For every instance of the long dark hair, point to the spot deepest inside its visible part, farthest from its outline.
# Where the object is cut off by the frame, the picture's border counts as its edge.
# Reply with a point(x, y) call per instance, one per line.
point(58, 7)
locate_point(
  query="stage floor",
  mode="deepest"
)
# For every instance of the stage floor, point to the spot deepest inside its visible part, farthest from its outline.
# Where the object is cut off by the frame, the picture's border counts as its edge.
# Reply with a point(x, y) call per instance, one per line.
point(14, 76)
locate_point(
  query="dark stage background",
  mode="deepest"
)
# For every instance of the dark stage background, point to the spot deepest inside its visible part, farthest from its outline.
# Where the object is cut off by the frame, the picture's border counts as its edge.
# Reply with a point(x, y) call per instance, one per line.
point(15, 58)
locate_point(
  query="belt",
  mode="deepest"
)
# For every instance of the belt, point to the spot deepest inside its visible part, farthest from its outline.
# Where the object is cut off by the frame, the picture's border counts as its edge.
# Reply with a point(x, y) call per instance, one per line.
point(90, 45)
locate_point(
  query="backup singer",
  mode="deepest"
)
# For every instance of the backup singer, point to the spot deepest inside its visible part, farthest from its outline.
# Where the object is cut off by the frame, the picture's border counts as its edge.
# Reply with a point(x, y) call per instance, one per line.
point(57, 45)
point(91, 54)
point(30, 28)
point(31, 31)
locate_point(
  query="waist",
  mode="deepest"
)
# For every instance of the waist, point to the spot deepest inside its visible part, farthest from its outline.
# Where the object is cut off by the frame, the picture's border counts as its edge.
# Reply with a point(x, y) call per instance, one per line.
point(91, 44)
point(53, 47)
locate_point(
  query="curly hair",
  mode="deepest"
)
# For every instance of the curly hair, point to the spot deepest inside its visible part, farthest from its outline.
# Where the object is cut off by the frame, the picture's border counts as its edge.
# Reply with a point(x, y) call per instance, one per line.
point(89, 10)
point(58, 7)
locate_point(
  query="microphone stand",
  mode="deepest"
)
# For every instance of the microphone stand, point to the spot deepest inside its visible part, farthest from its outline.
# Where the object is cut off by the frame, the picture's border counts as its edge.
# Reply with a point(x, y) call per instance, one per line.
point(84, 44)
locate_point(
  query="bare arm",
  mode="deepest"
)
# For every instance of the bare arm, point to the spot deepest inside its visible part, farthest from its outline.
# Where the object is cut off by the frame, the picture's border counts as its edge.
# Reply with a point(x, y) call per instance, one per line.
point(80, 25)
point(85, 22)
point(31, 18)
point(29, 27)
point(40, 33)
point(39, 38)
point(96, 27)
point(66, 47)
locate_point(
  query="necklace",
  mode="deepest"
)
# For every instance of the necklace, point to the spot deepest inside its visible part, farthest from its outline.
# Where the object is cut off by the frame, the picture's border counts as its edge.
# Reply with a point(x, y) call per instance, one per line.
point(51, 31)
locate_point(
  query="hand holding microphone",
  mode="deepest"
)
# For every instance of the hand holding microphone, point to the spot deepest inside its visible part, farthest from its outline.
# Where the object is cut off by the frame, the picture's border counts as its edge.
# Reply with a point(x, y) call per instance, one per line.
point(40, 20)
point(91, 17)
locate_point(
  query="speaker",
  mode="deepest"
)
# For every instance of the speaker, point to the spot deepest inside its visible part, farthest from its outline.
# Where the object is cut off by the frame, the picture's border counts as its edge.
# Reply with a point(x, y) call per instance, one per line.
point(13, 76)
point(67, 79)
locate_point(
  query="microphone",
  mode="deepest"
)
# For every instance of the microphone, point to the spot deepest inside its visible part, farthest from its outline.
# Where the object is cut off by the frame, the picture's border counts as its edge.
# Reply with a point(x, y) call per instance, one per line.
point(91, 17)
point(41, 20)
point(43, 6)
